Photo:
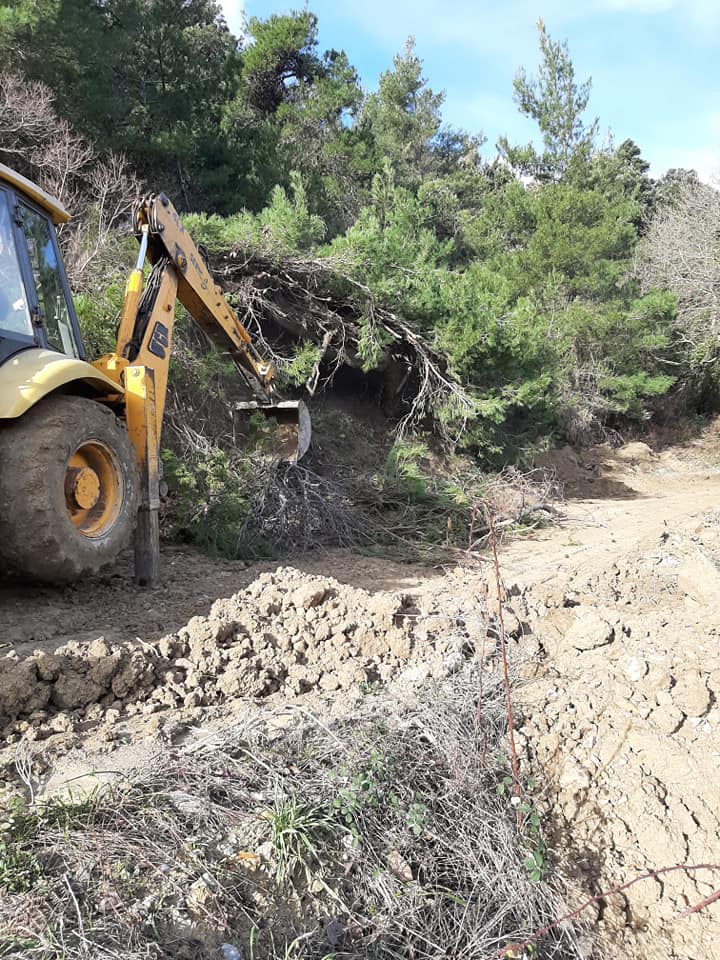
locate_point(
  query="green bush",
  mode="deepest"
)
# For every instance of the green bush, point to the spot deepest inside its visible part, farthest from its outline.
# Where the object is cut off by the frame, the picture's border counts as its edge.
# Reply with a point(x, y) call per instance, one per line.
point(207, 503)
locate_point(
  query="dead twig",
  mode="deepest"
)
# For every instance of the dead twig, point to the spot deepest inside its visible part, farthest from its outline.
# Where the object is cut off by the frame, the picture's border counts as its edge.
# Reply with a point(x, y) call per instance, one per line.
point(510, 949)
point(506, 675)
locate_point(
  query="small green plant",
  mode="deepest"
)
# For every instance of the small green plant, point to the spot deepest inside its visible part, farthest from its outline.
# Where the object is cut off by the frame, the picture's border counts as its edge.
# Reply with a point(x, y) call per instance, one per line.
point(505, 786)
point(297, 831)
point(416, 818)
point(370, 786)
point(19, 867)
point(536, 861)
point(297, 949)
point(71, 810)
point(302, 366)
point(403, 470)
point(208, 505)
point(531, 835)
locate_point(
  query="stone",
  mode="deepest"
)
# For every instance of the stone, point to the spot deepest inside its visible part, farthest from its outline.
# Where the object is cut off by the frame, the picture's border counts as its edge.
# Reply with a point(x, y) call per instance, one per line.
point(590, 631)
point(48, 665)
point(637, 452)
point(399, 867)
point(72, 690)
point(309, 595)
point(20, 691)
point(699, 578)
point(104, 668)
point(98, 649)
point(635, 669)
point(690, 694)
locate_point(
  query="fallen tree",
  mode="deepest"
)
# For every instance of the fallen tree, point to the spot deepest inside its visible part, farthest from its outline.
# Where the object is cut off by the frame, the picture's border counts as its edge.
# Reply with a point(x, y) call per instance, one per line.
point(318, 302)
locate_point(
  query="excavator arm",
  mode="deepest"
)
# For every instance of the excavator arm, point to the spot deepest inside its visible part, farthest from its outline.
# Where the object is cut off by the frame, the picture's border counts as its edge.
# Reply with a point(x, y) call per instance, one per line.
point(140, 362)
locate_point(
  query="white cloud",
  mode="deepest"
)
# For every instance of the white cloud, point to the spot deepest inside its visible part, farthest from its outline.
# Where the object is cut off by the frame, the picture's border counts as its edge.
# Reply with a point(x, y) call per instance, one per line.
point(234, 11)
point(637, 6)
point(704, 14)
point(706, 162)
point(704, 159)
point(506, 31)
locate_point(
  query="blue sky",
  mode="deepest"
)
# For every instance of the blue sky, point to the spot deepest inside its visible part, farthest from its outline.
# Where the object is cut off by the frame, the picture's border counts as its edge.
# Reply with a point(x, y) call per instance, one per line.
point(655, 64)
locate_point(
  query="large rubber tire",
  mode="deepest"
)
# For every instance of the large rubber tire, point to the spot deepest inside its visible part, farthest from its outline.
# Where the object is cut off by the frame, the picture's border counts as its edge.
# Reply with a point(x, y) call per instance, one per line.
point(48, 530)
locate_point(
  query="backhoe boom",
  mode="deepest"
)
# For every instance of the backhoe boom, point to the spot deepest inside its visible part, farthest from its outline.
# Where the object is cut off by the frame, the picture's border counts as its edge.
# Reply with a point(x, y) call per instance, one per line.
point(141, 358)
point(80, 460)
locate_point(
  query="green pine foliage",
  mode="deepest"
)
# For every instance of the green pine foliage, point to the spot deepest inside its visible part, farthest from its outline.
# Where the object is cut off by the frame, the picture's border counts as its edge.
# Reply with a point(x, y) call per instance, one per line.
point(516, 270)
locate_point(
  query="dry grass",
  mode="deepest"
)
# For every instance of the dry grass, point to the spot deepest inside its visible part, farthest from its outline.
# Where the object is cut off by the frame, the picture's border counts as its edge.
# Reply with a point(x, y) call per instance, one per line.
point(381, 834)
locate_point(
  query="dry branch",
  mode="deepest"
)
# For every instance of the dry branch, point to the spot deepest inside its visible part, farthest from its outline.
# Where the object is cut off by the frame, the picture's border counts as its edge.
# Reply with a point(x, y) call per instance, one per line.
point(318, 301)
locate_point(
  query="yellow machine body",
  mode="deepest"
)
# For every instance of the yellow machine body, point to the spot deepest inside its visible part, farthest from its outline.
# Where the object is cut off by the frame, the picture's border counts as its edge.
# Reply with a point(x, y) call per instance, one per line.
point(33, 374)
point(130, 382)
point(58, 213)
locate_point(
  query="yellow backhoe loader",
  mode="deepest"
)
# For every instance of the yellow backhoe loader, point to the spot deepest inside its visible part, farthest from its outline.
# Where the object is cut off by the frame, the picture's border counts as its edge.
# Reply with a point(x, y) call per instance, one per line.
point(79, 440)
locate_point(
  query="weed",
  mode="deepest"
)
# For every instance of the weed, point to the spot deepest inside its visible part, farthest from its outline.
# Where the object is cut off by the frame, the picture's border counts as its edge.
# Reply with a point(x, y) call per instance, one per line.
point(530, 833)
point(368, 787)
point(19, 867)
point(346, 798)
point(297, 833)
point(536, 861)
point(416, 817)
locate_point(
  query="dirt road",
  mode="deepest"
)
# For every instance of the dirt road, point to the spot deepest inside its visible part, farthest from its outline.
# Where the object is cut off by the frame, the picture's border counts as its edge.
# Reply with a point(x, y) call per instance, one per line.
point(623, 603)
point(616, 609)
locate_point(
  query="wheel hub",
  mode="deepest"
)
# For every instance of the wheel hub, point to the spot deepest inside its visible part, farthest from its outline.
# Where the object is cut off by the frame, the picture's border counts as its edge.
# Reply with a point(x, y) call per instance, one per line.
point(94, 488)
point(84, 487)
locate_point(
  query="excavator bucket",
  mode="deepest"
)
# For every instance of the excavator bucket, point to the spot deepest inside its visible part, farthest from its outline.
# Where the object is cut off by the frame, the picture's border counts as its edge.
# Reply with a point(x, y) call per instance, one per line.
point(293, 429)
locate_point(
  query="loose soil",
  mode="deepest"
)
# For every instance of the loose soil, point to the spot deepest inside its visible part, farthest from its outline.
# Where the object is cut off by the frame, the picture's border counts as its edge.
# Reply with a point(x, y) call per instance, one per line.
point(615, 611)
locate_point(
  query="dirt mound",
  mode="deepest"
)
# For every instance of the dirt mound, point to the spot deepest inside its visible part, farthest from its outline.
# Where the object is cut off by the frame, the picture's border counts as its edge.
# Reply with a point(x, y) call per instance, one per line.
point(625, 720)
point(287, 633)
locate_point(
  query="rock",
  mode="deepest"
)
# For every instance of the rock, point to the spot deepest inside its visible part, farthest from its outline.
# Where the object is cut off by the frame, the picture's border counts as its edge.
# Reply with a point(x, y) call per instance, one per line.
point(103, 670)
point(699, 578)
point(385, 607)
point(61, 723)
point(244, 681)
point(48, 665)
point(573, 777)
point(668, 719)
point(131, 674)
point(309, 596)
point(72, 690)
point(690, 694)
point(635, 453)
point(98, 649)
point(172, 647)
point(399, 867)
point(635, 669)
point(350, 674)
point(93, 712)
point(20, 689)
point(590, 631)
point(199, 896)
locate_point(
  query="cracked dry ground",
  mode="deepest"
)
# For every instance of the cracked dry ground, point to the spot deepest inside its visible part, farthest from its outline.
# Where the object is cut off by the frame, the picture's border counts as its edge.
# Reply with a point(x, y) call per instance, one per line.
point(617, 614)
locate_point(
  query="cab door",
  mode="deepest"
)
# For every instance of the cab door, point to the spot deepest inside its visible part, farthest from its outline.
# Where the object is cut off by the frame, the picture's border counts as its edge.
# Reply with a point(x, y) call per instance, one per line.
point(17, 330)
point(50, 298)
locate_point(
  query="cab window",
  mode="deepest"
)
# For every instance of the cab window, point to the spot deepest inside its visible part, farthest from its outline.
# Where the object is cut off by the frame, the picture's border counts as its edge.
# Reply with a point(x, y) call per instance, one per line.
point(46, 268)
point(14, 312)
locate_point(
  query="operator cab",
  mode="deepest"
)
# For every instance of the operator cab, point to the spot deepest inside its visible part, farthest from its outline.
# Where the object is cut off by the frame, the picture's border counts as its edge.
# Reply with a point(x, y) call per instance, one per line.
point(36, 308)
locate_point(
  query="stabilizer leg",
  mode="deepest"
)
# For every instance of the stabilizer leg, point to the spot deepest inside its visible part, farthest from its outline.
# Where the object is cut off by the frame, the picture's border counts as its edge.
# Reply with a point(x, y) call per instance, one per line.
point(147, 547)
point(140, 410)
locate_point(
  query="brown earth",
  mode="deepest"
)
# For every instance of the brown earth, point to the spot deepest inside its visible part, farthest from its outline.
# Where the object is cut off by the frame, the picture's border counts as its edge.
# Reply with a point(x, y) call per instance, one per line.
point(616, 611)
